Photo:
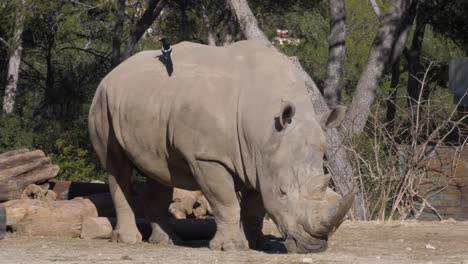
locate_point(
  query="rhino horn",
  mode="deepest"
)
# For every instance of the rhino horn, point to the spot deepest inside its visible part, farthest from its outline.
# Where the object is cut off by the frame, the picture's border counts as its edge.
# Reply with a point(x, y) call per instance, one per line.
point(337, 212)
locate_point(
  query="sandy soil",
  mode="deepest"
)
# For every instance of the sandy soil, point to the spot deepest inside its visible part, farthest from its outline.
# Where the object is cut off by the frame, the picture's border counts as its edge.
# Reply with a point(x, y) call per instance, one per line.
point(354, 242)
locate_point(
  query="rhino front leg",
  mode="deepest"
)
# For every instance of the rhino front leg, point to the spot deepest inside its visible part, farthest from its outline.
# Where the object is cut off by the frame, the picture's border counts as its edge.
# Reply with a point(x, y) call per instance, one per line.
point(157, 199)
point(217, 185)
point(252, 214)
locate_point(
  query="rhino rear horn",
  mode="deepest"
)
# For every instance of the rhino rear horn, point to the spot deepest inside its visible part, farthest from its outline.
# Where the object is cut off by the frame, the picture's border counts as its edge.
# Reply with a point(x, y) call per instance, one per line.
point(337, 212)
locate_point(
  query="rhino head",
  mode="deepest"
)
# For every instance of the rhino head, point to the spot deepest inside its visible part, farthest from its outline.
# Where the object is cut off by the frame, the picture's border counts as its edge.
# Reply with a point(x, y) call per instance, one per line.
point(291, 179)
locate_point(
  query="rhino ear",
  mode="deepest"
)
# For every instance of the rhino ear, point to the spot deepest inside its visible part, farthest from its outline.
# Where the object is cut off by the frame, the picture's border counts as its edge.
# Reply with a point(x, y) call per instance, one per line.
point(287, 112)
point(332, 118)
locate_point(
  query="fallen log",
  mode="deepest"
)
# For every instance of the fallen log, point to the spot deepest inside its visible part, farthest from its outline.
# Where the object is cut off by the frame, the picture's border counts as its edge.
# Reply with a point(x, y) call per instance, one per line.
point(20, 168)
point(45, 227)
point(67, 190)
point(71, 211)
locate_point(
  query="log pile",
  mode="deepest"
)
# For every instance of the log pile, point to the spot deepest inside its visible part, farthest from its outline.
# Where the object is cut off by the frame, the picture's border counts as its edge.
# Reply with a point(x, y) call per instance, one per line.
point(20, 168)
point(36, 205)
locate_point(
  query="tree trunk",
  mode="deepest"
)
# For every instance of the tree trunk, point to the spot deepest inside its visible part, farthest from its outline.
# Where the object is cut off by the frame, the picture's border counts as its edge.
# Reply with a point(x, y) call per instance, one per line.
point(151, 13)
point(118, 30)
point(343, 175)
point(209, 28)
point(376, 8)
point(415, 67)
point(336, 53)
point(247, 21)
point(386, 47)
point(16, 51)
point(392, 96)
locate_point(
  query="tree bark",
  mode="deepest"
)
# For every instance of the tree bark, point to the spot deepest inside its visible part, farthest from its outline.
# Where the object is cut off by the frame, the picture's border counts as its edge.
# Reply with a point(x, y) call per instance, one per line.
point(336, 53)
point(118, 30)
point(415, 67)
point(16, 51)
point(247, 21)
point(343, 175)
point(376, 8)
point(387, 46)
point(209, 28)
point(392, 96)
point(151, 13)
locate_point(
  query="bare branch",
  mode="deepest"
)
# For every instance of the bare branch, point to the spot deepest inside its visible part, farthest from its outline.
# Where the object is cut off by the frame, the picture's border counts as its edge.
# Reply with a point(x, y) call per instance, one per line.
point(4, 42)
point(376, 8)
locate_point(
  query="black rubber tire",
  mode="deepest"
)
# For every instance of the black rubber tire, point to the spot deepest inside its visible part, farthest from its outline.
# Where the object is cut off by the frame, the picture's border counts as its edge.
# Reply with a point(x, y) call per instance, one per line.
point(2, 222)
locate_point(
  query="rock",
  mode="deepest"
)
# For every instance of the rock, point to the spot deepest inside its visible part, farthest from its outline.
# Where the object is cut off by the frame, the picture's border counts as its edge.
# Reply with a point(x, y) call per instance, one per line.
point(449, 221)
point(408, 249)
point(429, 246)
point(307, 260)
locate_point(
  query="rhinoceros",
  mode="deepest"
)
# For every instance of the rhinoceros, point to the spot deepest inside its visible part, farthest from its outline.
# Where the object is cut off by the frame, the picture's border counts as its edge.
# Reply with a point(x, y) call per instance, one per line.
point(228, 120)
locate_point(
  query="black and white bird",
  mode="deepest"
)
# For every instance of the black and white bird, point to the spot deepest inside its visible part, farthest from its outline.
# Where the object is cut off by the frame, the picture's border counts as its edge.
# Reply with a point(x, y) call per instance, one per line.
point(166, 48)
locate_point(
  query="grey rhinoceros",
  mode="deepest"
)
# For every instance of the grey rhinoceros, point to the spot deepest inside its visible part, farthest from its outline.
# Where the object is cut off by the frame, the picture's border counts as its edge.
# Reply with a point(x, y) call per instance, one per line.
point(229, 119)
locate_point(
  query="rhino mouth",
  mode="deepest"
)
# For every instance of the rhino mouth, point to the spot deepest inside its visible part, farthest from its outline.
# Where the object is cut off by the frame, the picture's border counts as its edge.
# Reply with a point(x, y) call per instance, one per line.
point(312, 245)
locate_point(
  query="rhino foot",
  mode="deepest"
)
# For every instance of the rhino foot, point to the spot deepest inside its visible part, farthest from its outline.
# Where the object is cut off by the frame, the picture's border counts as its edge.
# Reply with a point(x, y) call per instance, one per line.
point(162, 238)
point(128, 236)
point(230, 244)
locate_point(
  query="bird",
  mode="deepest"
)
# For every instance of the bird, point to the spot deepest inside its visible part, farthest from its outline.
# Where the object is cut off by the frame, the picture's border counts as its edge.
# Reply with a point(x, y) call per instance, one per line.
point(166, 48)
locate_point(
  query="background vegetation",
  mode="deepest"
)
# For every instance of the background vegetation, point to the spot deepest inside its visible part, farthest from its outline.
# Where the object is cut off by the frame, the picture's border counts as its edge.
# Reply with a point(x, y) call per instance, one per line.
point(68, 48)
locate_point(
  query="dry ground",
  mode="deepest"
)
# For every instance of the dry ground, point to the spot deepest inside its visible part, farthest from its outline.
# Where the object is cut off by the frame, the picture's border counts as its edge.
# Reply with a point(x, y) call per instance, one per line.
point(354, 242)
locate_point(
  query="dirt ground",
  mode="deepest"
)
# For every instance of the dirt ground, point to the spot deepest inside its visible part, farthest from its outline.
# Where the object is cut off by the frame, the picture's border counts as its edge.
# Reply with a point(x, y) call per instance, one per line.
point(354, 242)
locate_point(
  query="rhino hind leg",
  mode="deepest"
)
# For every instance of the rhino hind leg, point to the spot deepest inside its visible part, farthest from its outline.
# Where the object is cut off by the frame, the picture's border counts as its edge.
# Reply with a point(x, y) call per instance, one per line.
point(217, 185)
point(157, 199)
point(120, 170)
point(252, 214)
point(118, 166)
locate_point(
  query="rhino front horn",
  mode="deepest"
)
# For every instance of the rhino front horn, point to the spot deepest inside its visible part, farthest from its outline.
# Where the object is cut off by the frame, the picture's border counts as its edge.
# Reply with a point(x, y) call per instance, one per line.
point(339, 211)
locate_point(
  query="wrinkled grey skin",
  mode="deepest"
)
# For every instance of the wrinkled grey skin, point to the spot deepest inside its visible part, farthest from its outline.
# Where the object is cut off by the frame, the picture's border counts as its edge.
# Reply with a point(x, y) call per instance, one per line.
point(228, 119)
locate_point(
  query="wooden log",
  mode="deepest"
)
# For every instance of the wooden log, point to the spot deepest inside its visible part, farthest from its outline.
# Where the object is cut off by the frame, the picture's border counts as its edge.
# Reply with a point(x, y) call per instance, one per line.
point(96, 227)
point(66, 190)
point(15, 160)
point(72, 211)
point(13, 152)
point(15, 171)
point(12, 188)
point(187, 229)
point(46, 227)
point(20, 168)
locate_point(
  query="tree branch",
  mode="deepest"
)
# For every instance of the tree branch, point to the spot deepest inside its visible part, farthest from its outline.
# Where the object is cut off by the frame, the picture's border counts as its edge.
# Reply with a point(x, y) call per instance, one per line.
point(376, 8)
point(151, 13)
point(4, 42)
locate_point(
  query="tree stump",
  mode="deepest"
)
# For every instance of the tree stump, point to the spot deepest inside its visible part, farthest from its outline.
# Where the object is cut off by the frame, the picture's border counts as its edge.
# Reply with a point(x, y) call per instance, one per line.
point(20, 168)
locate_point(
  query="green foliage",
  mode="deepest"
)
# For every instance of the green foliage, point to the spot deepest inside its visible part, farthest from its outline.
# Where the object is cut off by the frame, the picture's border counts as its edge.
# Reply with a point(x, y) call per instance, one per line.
point(68, 46)
point(74, 162)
